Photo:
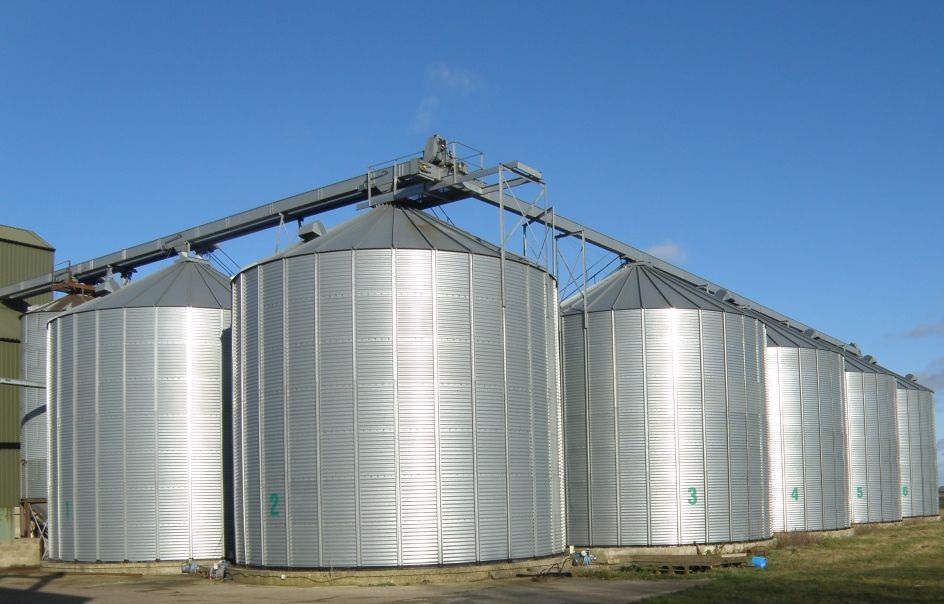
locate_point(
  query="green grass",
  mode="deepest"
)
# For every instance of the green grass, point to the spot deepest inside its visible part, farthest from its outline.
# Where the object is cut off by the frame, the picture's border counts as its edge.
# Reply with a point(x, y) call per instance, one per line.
point(895, 564)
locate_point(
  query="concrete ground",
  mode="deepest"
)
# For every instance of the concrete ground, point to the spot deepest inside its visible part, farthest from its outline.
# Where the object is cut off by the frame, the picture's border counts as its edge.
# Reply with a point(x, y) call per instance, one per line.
point(34, 586)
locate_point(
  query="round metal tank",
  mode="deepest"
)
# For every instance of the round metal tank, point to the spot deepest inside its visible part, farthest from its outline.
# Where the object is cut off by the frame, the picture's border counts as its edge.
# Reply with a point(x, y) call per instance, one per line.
point(33, 431)
point(666, 431)
point(917, 449)
point(872, 432)
point(806, 426)
point(390, 409)
point(135, 413)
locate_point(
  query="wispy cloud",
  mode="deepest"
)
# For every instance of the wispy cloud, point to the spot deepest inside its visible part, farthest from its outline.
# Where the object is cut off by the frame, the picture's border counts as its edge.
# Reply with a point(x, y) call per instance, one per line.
point(452, 79)
point(933, 375)
point(442, 83)
point(669, 251)
point(926, 331)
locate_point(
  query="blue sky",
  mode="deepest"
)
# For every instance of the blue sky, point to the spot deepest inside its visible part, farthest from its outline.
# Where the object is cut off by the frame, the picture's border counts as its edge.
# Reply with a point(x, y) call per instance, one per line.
point(790, 151)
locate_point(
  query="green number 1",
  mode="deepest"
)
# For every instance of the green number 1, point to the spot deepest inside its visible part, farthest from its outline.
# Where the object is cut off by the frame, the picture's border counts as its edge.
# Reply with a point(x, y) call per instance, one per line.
point(68, 510)
point(274, 500)
point(795, 494)
point(693, 492)
point(904, 490)
point(859, 492)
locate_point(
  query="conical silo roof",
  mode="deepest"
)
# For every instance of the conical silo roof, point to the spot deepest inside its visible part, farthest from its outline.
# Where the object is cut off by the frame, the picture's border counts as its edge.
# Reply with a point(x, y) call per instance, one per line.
point(187, 282)
point(62, 304)
point(396, 226)
point(784, 336)
point(640, 286)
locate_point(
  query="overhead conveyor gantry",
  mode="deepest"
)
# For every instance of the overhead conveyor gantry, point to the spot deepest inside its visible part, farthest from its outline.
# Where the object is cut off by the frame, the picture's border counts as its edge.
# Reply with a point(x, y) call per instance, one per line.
point(433, 177)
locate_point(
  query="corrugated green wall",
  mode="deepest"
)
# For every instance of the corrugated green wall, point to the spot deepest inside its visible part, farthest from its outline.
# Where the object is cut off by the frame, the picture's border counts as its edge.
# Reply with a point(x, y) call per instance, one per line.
point(19, 260)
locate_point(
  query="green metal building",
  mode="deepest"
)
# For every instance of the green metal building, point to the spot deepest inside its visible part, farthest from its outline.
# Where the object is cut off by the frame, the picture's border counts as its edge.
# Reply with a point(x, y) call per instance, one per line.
point(23, 255)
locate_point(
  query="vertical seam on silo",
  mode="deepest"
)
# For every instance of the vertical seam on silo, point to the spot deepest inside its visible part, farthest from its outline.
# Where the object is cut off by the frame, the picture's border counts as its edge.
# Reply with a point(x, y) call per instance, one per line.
point(645, 411)
point(286, 442)
point(98, 441)
point(316, 265)
point(585, 334)
point(124, 427)
point(616, 432)
point(747, 429)
point(396, 404)
point(803, 474)
point(704, 427)
point(260, 408)
point(727, 422)
point(472, 400)
point(674, 337)
point(156, 440)
point(357, 464)
point(504, 338)
point(436, 402)
point(819, 423)
point(783, 448)
point(188, 360)
point(865, 448)
point(531, 457)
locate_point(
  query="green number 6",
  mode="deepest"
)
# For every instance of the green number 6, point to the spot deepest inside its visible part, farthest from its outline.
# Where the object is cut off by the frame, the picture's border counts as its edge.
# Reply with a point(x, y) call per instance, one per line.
point(904, 490)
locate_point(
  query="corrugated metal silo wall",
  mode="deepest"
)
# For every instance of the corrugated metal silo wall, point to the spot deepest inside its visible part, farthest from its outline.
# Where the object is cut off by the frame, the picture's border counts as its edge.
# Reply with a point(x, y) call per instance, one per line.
point(917, 452)
point(135, 440)
point(33, 431)
point(874, 475)
point(670, 446)
point(808, 482)
point(388, 412)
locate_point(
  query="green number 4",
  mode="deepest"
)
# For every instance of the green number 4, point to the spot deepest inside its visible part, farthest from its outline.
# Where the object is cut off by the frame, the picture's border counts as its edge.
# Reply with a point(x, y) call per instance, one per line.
point(795, 494)
point(859, 492)
point(693, 496)
point(904, 490)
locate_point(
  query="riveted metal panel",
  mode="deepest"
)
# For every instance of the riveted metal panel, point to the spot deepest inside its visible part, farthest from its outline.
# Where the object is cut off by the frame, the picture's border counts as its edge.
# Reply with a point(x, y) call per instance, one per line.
point(918, 490)
point(33, 433)
point(676, 423)
point(872, 439)
point(398, 438)
point(136, 433)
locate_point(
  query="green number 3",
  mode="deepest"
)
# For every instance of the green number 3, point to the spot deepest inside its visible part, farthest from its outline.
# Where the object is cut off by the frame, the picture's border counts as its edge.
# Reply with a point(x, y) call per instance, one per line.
point(904, 490)
point(859, 492)
point(693, 499)
point(274, 501)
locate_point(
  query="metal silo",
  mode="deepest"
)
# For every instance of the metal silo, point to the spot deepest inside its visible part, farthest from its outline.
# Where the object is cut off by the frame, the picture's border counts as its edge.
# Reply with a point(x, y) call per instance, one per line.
point(396, 400)
point(806, 426)
point(917, 449)
point(135, 416)
point(33, 430)
point(872, 433)
point(665, 419)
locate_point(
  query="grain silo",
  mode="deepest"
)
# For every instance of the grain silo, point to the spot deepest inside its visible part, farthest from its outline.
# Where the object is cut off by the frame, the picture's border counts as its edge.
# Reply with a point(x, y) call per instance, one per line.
point(665, 422)
point(872, 437)
point(806, 427)
point(33, 424)
point(135, 410)
point(396, 400)
point(917, 449)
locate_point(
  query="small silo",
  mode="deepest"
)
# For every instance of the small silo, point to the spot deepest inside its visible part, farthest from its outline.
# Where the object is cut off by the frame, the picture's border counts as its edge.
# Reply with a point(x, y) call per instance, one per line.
point(33, 424)
point(872, 437)
point(136, 382)
point(806, 426)
point(665, 420)
point(917, 449)
point(396, 400)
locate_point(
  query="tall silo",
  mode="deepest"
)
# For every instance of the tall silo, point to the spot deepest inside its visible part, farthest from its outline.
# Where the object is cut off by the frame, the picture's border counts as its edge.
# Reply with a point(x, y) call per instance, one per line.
point(917, 449)
point(665, 420)
point(396, 400)
point(33, 429)
point(872, 437)
point(806, 425)
point(135, 415)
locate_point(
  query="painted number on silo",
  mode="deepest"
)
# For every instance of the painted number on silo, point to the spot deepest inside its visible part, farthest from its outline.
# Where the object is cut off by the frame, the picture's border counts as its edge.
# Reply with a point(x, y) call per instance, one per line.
point(795, 494)
point(68, 510)
point(692, 495)
point(273, 504)
point(904, 490)
point(859, 493)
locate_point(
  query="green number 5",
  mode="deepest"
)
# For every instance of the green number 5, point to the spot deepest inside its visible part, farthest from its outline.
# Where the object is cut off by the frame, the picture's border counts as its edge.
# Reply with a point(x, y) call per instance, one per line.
point(859, 492)
point(693, 495)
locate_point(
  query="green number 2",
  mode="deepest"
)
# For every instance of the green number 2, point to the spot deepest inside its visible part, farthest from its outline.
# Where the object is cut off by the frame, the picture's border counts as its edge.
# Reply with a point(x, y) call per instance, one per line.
point(859, 492)
point(693, 499)
point(795, 494)
point(904, 490)
point(274, 501)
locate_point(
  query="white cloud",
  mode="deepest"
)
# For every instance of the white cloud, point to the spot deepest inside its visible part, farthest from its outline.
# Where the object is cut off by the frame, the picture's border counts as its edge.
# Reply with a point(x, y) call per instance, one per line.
point(668, 251)
point(425, 114)
point(933, 376)
point(452, 79)
point(925, 331)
